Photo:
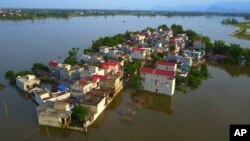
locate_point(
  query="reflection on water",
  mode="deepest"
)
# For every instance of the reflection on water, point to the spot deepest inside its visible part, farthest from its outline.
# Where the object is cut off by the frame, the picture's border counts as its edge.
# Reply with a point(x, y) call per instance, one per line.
point(232, 70)
point(156, 102)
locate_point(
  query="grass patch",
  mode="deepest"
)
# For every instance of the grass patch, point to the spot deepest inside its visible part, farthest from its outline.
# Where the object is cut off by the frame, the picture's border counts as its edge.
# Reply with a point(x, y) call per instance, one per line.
point(1, 86)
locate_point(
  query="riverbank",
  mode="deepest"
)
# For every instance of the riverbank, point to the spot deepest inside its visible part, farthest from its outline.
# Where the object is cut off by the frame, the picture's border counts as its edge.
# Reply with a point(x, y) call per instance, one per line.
point(243, 31)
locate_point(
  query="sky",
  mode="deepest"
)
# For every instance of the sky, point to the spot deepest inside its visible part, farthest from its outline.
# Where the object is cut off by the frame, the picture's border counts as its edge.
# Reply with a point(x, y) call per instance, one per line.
point(104, 4)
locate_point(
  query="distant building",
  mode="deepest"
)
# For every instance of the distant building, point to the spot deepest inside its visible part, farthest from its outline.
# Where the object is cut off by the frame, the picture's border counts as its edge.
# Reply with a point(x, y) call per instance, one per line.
point(158, 81)
point(27, 82)
point(111, 67)
point(104, 49)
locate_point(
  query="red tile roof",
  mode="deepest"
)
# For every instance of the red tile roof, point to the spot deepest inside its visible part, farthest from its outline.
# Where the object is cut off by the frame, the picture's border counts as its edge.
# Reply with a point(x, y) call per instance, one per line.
point(166, 63)
point(164, 72)
point(138, 49)
point(94, 79)
point(53, 63)
point(112, 63)
point(147, 70)
point(158, 72)
point(102, 77)
point(104, 66)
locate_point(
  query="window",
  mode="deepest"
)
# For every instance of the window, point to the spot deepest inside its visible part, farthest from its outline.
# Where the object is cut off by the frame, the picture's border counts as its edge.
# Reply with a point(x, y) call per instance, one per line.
point(142, 87)
point(156, 90)
point(156, 82)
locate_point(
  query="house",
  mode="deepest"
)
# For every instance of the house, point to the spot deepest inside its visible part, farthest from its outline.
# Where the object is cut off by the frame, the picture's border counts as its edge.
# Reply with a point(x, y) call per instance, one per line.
point(138, 53)
point(169, 66)
point(43, 95)
point(54, 68)
point(104, 49)
point(158, 81)
point(113, 83)
point(81, 87)
point(27, 82)
point(91, 57)
point(54, 115)
point(198, 45)
point(91, 70)
point(68, 72)
point(111, 67)
point(194, 54)
point(112, 52)
point(96, 101)
point(180, 58)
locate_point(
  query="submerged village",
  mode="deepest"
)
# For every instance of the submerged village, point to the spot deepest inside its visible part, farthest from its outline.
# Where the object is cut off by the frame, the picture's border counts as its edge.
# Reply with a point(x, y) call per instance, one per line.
point(160, 61)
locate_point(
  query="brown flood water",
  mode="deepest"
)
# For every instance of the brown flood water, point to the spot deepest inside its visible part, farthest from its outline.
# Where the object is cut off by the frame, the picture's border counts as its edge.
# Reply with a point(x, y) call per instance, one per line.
point(203, 114)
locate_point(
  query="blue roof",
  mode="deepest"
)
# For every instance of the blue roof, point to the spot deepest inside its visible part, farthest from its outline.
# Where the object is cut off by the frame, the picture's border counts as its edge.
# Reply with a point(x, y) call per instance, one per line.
point(62, 88)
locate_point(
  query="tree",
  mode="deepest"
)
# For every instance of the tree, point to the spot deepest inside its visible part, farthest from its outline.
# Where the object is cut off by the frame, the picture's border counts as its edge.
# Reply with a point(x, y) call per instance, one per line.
point(204, 70)
point(9, 74)
point(208, 44)
point(72, 57)
point(177, 29)
point(79, 113)
point(136, 80)
point(191, 34)
point(163, 27)
point(39, 66)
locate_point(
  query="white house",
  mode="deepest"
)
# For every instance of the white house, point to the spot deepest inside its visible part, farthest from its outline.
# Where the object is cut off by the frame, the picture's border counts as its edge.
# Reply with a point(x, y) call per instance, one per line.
point(27, 82)
point(138, 53)
point(158, 81)
point(194, 54)
point(92, 70)
point(104, 49)
point(169, 66)
point(92, 58)
point(43, 96)
point(81, 87)
point(68, 72)
point(180, 58)
point(111, 67)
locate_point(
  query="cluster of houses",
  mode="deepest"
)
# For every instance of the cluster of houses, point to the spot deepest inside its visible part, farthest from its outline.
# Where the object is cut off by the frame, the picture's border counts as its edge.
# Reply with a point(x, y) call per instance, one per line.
point(95, 83)
point(91, 86)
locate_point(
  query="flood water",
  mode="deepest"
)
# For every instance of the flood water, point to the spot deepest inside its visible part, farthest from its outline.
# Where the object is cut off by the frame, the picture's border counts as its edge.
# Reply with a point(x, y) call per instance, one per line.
point(203, 114)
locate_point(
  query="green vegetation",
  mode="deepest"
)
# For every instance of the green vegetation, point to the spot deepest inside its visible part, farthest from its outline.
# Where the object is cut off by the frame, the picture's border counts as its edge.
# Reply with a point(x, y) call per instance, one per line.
point(1, 86)
point(79, 113)
point(230, 21)
point(11, 76)
point(39, 66)
point(163, 27)
point(109, 41)
point(72, 58)
point(242, 32)
point(132, 71)
point(177, 29)
point(194, 79)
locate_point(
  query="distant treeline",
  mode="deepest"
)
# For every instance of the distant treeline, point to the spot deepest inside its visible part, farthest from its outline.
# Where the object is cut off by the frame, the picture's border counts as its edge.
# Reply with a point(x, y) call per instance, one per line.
point(23, 14)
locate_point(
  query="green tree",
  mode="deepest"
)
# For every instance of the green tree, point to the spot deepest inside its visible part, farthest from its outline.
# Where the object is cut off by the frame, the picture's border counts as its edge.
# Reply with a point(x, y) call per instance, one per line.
point(204, 70)
point(9, 74)
point(39, 66)
point(177, 29)
point(79, 113)
point(136, 80)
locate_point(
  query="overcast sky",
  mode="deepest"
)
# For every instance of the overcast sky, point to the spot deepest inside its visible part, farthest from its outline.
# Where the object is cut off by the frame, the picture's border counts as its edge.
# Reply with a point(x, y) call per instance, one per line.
point(105, 4)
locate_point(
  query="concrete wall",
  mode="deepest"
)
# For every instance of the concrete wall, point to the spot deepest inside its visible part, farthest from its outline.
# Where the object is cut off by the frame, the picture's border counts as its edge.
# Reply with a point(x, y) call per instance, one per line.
point(164, 85)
